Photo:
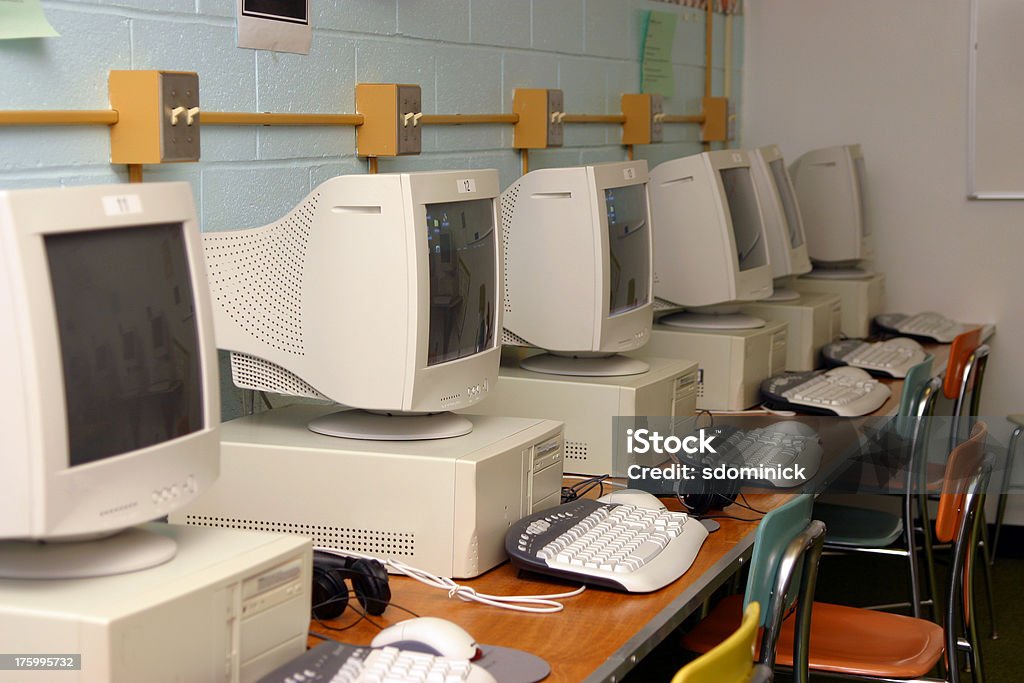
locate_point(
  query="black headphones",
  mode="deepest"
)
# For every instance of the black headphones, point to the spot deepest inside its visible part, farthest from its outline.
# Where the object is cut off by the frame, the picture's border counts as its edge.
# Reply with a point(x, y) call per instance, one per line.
point(330, 592)
point(717, 496)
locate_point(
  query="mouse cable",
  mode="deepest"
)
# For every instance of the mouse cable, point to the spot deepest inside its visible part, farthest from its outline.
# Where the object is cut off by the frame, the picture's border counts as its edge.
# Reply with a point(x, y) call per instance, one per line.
point(538, 604)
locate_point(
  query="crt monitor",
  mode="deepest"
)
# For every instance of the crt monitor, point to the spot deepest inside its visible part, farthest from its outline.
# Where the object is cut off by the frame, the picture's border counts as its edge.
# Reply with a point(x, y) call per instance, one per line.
point(830, 187)
point(710, 251)
point(380, 292)
point(111, 410)
point(578, 267)
point(784, 230)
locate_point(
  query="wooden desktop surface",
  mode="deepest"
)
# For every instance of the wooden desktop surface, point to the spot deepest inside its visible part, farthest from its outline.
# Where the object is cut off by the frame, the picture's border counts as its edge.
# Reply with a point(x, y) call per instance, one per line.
point(600, 634)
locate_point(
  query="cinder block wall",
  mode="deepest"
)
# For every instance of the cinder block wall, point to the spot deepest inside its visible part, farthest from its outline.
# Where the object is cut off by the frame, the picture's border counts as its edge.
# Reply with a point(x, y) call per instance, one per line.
point(467, 55)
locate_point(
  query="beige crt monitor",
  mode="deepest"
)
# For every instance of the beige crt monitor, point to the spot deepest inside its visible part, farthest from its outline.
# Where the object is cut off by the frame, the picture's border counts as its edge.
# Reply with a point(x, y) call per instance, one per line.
point(578, 267)
point(784, 228)
point(813, 319)
point(710, 250)
point(442, 505)
point(830, 186)
point(589, 406)
point(110, 411)
point(380, 292)
point(230, 606)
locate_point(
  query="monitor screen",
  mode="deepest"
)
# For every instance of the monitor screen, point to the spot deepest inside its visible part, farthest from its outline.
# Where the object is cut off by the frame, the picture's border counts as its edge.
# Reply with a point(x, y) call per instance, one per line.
point(858, 165)
point(746, 218)
point(463, 277)
point(128, 337)
point(778, 169)
point(628, 247)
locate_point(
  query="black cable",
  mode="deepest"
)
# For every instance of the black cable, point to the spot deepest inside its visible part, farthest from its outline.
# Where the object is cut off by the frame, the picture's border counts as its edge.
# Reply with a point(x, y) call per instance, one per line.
point(724, 516)
point(746, 504)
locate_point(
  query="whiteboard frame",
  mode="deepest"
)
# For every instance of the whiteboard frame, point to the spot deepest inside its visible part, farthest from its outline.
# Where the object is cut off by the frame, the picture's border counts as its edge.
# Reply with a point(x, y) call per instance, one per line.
point(972, 91)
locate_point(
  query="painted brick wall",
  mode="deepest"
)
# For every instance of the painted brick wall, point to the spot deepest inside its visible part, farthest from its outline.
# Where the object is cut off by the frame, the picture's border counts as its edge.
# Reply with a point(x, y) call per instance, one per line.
point(467, 55)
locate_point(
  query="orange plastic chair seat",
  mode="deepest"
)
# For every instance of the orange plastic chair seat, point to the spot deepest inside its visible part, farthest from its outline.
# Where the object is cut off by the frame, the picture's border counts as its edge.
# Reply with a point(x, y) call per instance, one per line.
point(849, 640)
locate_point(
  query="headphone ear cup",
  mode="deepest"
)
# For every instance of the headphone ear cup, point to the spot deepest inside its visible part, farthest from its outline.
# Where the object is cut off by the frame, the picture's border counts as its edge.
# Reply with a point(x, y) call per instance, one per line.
point(370, 582)
point(330, 594)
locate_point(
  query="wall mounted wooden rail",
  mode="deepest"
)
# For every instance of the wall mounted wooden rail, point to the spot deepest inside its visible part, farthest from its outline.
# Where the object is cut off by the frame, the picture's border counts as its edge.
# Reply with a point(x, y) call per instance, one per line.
point(594, 118)
point(679, 118)
point(463, 119)
point(238, 118)
point(105, 117)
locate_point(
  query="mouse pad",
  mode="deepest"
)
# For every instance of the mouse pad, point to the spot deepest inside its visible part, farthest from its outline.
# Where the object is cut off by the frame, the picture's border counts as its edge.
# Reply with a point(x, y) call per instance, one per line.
point(509, 665)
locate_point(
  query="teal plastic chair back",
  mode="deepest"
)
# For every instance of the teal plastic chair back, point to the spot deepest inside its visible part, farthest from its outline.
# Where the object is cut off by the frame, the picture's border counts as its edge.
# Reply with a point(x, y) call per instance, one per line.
point(774, 534)
point(917, 377)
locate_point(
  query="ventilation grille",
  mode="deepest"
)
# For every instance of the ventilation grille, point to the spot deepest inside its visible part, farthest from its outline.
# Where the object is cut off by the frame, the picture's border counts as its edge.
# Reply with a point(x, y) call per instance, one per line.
point(119, 509)
point(249, 372)
point(388, 543)
point(451, 399)
point(513, 339)
point(256, 277)
point(509, 198)
point(576, 450)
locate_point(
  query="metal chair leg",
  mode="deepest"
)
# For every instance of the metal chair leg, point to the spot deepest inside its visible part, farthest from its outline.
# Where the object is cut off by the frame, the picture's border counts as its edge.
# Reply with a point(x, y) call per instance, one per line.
point(986, 574)
point(1011, 451)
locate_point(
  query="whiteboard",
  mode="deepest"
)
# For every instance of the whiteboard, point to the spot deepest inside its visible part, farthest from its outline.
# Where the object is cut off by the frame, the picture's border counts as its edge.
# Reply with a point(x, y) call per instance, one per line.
point(996, 100)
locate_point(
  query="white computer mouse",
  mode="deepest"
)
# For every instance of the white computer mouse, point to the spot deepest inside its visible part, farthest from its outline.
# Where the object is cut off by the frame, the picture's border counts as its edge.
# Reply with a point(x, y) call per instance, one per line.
point(430, 635)
point(636, 497)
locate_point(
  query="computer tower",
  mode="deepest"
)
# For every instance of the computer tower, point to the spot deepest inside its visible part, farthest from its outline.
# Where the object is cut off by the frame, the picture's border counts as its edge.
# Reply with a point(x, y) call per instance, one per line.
point(731, 363)
point(442, 505)
point(230, 606)
point(813, 320)
point(861, 299)
point(589, 405)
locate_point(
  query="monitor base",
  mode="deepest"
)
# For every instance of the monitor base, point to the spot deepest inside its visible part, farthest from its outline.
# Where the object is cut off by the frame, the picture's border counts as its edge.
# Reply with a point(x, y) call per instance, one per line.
point(360, 424)
point(591, 366)
point(127, 551)
point(781, 294)
point(838, 274)
point(688, 320)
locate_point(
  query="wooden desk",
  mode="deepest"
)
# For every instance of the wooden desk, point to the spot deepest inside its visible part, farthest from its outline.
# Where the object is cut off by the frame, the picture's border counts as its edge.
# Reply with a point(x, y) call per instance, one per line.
point(601, 634)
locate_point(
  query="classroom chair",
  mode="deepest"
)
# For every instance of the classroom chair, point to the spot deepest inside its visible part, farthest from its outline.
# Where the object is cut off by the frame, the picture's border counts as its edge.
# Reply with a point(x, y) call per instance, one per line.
point(732, 660)
point(863, 644)
point(783, 570)
point(1005, 485)
point(854, 529)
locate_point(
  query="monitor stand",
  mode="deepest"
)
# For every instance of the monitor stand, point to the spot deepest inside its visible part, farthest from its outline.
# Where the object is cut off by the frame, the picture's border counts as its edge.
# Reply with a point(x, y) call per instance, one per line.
point(782, 294)
point(731, 319)
point(394, 426)
point(584, 365)
point(125, 551)
point(825, 273)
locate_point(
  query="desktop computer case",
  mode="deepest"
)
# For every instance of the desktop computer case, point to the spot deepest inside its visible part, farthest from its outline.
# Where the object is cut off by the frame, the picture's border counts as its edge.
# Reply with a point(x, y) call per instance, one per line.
point(813, 321)
point(442, 505)
point(732, 363)
point(861, 299)
point(588, 405)
point(231, 606)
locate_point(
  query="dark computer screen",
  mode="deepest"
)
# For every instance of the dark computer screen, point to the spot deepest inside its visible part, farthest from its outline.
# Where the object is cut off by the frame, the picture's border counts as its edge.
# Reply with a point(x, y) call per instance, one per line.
point(778, 170)
point(628, 247)
point(746, 217)
point(463, 279)
point(128, 337)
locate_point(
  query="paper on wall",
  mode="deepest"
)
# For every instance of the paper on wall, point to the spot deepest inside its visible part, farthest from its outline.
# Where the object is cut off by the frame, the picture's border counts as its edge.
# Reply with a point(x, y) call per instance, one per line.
point(280, 25)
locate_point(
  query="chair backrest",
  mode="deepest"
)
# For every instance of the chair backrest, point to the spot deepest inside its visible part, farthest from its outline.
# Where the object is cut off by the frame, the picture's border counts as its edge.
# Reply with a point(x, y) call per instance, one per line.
point(913, 384)
point(732, 660)
point(783, 570)
point(959, 354)
point(962, 467)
